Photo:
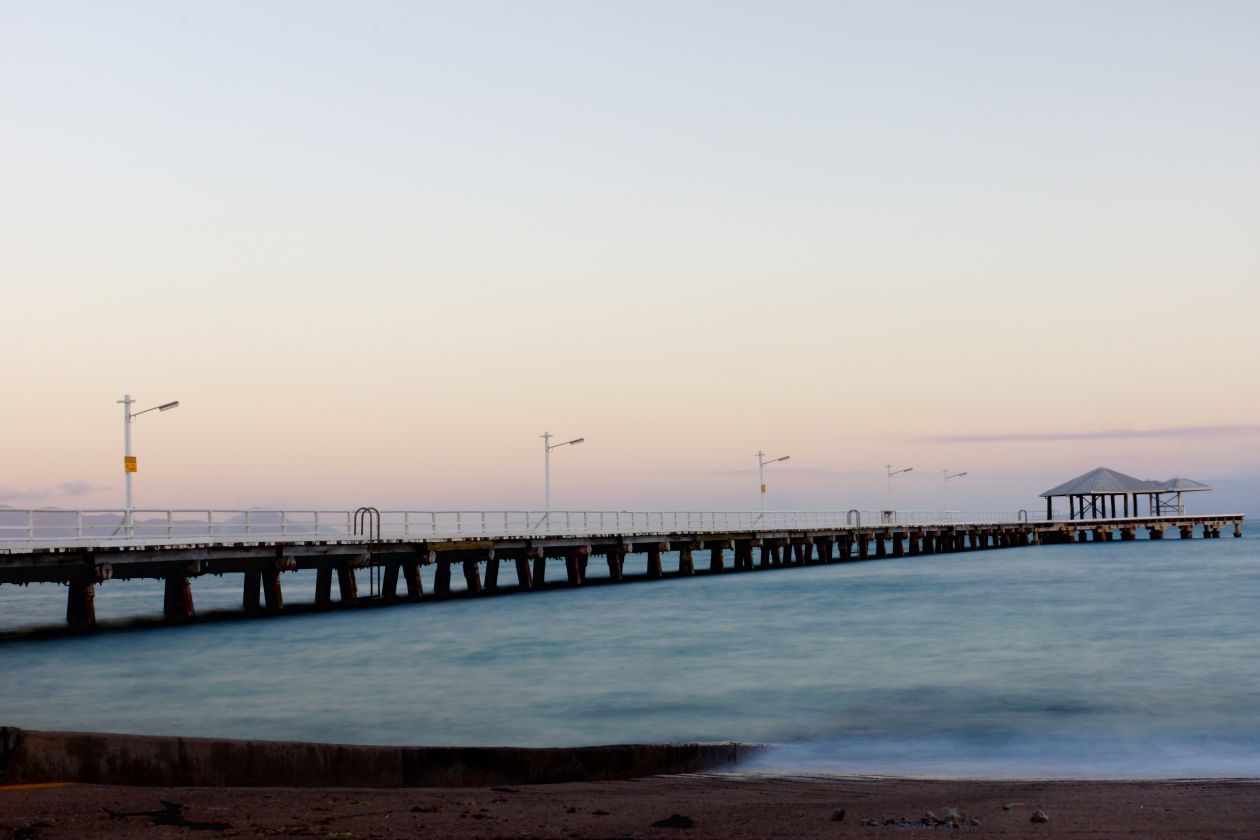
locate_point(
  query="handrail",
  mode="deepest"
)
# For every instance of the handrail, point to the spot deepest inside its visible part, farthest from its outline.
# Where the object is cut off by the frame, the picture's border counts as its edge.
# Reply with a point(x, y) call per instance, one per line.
point(54, 528)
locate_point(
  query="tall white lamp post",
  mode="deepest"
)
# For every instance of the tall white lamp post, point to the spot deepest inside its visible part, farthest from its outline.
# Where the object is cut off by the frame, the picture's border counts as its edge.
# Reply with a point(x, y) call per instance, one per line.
point(948, 476)
point(761, 473)
point(891, 473)
point(547, 447)
point(129, 460)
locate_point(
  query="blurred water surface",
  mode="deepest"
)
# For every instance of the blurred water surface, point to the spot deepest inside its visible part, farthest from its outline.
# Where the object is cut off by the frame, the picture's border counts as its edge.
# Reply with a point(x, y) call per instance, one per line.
point(1118, 659)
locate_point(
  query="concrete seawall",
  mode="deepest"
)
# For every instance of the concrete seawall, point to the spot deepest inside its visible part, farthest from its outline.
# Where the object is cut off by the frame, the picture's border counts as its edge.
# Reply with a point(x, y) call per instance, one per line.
point(31, 756)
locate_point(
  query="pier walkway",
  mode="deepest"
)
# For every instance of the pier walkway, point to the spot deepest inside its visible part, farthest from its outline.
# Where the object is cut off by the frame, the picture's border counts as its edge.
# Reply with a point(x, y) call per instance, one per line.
point(82, 549)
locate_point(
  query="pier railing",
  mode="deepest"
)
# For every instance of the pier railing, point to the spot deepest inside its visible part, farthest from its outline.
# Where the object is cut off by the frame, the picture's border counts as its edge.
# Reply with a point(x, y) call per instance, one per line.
point(51, 528)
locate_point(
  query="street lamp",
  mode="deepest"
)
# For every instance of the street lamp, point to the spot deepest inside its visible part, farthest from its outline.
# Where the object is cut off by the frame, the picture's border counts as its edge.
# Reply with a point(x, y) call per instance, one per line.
point(948, 475)
point(129, 460)
point(547, 447)
point(891, 473)
point(761, 473)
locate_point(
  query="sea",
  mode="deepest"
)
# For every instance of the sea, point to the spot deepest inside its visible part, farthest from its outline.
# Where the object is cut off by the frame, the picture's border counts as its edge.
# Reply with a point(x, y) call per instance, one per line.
point(1111, 660)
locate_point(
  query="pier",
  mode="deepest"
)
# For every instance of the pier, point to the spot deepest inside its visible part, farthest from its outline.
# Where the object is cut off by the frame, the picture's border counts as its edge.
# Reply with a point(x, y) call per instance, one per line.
point(83, 549)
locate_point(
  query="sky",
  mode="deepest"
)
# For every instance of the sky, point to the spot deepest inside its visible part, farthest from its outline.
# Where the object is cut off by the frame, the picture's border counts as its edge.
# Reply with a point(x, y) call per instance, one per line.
point(376, 249)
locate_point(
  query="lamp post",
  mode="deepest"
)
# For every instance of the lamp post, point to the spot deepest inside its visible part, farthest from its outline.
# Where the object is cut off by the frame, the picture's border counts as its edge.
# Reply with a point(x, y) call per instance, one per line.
point(129, 460)
point(891, 473)
point(761, 473)
point(948, 475)
point(547, 447)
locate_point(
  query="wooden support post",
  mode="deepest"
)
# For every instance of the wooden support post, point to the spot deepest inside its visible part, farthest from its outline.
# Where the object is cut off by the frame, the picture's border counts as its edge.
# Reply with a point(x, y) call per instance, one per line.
point(573, 567)
point(929, 542)
point(615, 559)
point(686, 566)
point(807, 552)
point(411, 576)
point(1207, 531)
point(1081, 535)
point(472, 577)
point(776, 554)
point(524, 580)
point(491, 582)
point(442, 579)
point(323, 586)
point(177, 606)
point(913, 543)
point(252, 592)
point(1156, 532)
point(1127, 534)
point(1216, 532)
point(81, 604)
point(881, 548)
point(1237, 529)
point(767, 554)
point(540, 570)
point(583, 559)
point(897, 549)
point(273, 595)
point(389, 581)
point(798, 553)
point(347, 584)
point(863, 546)
point(716, 563)
point(654, 571)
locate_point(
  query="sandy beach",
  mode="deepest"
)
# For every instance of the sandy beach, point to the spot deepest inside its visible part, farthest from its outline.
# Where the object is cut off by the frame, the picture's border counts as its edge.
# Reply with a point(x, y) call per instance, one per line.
point(715, 806)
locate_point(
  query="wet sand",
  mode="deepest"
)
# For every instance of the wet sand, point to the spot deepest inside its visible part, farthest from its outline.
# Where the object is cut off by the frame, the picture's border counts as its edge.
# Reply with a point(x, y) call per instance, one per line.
point(718, 805)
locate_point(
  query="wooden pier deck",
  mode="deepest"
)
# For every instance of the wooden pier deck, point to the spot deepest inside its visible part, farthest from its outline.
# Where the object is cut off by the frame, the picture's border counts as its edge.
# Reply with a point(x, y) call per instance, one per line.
point(547, 555)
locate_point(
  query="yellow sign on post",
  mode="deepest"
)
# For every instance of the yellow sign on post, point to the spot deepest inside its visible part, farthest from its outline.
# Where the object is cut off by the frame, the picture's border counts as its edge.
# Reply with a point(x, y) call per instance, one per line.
point(129, 463)
point(763, 488)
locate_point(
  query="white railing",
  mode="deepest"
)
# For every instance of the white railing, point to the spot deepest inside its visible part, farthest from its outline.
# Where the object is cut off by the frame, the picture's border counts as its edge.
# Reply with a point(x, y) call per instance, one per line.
point(20, 529)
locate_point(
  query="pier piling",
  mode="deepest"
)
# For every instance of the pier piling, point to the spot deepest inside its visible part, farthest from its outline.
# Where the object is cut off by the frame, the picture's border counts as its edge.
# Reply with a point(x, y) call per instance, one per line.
point(273, 596)
point(81, 604)
point(177, 606)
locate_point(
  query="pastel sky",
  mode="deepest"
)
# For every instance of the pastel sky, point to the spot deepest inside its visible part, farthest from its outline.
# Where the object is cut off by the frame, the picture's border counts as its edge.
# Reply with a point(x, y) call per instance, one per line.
point(376, 249)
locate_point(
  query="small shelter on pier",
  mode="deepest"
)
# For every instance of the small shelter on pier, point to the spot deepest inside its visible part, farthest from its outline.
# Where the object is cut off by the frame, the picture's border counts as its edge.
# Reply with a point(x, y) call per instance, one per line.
point(1088, 494)
point(1164, 501)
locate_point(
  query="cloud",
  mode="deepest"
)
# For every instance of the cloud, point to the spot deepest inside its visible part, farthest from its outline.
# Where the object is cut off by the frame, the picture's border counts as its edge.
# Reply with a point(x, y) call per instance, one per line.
point(1185, 432)
point(65, 488)
point(78, 488)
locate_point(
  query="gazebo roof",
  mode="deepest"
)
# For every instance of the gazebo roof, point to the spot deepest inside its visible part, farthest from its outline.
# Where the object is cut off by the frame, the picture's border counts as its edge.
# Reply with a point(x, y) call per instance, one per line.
point(1182, 485)
point(1102, 482)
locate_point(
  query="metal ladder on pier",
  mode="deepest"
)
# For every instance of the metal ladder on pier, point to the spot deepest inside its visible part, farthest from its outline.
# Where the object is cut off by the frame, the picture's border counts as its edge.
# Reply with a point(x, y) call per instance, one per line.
point(367, 524)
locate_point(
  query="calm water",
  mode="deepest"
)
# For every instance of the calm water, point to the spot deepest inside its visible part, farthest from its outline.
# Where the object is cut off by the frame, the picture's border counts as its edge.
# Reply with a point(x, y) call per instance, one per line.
point(1119, 659)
